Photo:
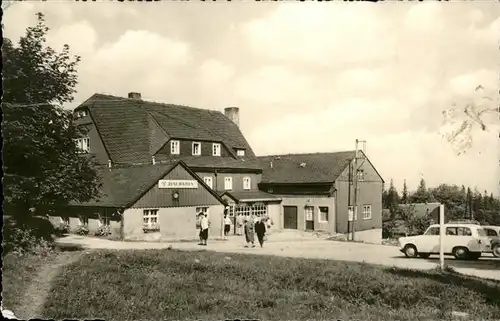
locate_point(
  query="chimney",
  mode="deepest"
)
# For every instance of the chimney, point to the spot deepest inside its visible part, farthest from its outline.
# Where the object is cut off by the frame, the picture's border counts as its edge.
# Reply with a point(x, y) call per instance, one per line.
point(136, 96)
point(233, 113)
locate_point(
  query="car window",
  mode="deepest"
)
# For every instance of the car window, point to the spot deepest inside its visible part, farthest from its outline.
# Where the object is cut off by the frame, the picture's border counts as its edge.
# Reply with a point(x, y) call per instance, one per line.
point(451, 231)
point(490, 232)
point(486, 231)
point(464, 231)
point(432, 231)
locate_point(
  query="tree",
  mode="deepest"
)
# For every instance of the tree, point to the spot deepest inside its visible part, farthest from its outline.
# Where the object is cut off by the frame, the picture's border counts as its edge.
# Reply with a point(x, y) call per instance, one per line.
point(413, 223)
point(391, 199)
point(460, 119)
point(422, 195)
point(404, 197)
point(42, 169)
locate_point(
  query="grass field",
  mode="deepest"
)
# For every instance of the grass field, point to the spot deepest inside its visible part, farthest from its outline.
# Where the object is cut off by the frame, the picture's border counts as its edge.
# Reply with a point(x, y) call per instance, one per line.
point(18, 273)
point(163, 284)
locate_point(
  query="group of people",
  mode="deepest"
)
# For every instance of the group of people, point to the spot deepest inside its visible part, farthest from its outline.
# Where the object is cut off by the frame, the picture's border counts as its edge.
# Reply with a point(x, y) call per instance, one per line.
point(249, 225)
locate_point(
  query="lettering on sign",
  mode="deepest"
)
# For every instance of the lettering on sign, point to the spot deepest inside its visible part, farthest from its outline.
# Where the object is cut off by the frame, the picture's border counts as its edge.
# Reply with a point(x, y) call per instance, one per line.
point(165, 183)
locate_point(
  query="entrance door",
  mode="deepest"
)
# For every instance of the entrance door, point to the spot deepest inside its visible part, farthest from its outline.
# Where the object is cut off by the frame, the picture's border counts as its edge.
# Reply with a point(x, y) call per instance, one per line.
point(290, 217)
point(309, 211)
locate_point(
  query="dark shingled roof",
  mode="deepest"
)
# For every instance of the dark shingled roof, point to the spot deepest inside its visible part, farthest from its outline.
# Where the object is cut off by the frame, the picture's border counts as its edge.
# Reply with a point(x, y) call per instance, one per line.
point(122, 186)
point(134, 130)
point(319, 167)
point(216, 162)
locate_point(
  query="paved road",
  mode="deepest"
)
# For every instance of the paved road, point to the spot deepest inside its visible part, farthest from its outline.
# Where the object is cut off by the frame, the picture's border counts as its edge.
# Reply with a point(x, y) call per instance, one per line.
point(486, 267)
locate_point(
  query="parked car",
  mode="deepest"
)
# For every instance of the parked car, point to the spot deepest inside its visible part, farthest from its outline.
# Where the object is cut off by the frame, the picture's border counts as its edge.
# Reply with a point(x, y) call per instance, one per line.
point(493, 232)
point(462, 240)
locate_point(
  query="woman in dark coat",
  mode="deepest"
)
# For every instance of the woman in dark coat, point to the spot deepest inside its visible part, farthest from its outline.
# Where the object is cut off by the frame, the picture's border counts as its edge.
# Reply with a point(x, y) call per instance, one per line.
point(260, 230)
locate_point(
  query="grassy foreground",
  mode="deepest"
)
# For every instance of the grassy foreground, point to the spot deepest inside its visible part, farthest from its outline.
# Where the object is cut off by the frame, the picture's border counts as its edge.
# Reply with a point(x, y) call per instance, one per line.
point(18, 272)
point(163, 284)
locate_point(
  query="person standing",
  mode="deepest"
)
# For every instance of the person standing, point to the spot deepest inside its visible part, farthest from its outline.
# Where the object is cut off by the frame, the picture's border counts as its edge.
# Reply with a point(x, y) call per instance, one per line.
point(239, 224)
point(198, 226)
point(227, 225)
point(260, 230)
point(250, 231)
point(204, 229)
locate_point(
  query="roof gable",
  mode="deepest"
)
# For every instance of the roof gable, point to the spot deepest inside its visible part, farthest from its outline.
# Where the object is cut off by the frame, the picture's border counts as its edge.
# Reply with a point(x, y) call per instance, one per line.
point(123, 186)
point(304, 168)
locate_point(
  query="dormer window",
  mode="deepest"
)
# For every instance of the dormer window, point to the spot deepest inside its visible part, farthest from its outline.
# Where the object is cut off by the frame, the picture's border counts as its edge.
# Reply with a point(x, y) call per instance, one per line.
point(196, 149)
point(81, 113)
point(83, 144)
point(215, 149)
point(240, 152)
point(175, 147)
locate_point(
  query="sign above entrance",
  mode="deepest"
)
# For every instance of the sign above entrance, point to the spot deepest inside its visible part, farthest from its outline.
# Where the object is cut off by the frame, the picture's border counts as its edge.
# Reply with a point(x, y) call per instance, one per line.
point(165, 183)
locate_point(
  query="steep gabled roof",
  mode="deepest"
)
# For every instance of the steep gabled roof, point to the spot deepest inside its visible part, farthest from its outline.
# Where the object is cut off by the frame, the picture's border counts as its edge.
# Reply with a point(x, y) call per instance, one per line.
point(123, 186)
point(132, 129)
point(317, 167)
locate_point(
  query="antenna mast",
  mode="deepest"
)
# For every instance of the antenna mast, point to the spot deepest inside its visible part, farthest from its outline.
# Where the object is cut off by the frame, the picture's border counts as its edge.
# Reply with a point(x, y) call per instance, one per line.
point(359, 160)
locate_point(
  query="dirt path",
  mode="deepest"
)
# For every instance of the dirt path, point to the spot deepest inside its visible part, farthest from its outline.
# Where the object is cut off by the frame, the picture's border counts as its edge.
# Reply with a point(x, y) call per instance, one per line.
point(31, 304)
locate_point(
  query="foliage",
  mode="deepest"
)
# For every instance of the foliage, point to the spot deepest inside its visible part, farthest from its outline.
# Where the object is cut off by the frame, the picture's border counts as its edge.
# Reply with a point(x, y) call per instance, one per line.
point(103, 230)
point(413, 224)
point(62, 229)
point(211, 286)
point(422, 195)
point(404, 195)
point(25, 240)
point(476, 110)
point(459, 203)
point(42, 169)
point(82, 230)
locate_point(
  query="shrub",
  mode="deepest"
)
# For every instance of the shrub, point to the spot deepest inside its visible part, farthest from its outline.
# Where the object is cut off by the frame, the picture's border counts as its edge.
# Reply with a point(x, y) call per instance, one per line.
point(62, 229)
point(23, 240)
point(103, 230)
point(82, 230)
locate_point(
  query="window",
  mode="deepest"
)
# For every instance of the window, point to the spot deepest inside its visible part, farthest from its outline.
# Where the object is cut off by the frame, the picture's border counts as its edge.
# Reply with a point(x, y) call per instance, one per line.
point(464, 231)
point(215, 149)
point(150, 220)
point(196, 149)
point(175, 147)
point(228, 183)
point(208, 181)
point(367, 212)
point(323, 214)
point(490, 232)
point(240, 152)
point(309, 211)
point(247, 183)
point(204, 210)
point(361, 175)
point(259, 210)
point(81, 113)
point(350, 210)
point(83, 144)
point(231, 210)
point(84, 220)
point(451, 231)
point(432, 231)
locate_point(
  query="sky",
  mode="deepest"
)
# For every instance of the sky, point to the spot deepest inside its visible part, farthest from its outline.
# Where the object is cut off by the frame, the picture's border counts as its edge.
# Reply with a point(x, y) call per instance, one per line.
point(307, 76)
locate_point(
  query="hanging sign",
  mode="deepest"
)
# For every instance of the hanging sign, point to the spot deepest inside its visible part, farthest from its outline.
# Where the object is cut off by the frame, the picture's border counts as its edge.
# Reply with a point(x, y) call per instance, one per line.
point(165, 183)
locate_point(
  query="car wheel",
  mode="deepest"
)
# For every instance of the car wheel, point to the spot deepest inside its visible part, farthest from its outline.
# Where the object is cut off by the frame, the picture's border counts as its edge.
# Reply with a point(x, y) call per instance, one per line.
point(474, 256)
point(460, 253)
point(410, 251)
point(424, 255)
point(496, 250)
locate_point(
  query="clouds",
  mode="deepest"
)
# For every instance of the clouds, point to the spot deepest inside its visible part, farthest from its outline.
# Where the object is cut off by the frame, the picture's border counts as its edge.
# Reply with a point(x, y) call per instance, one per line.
point(308, 77)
